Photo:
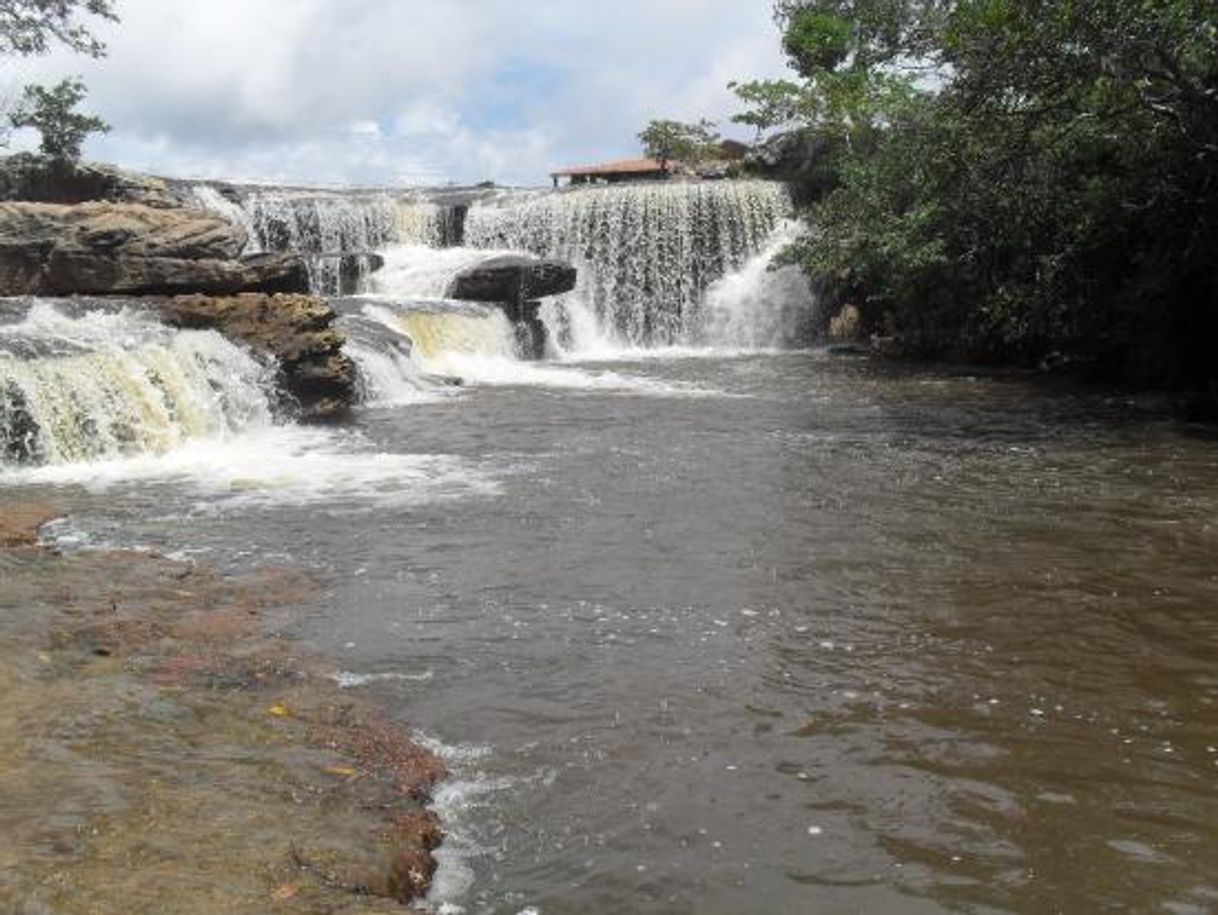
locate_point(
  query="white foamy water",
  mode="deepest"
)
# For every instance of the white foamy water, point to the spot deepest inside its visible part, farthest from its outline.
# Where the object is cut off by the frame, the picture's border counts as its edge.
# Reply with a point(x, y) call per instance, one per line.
point(111, 384)
point(280, 465)
point(646, 253)
point(760, 307)
point(348, 680)
point(420, 271)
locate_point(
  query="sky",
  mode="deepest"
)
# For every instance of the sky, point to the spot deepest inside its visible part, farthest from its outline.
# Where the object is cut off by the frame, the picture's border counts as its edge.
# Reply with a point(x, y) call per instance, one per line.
point(404, 92)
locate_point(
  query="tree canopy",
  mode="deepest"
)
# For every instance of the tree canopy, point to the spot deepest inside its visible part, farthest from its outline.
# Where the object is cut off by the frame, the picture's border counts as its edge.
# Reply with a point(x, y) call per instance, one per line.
point(33, 26)
point(1017, 178)
point(52, 112)
point(30, 27)
point(669, 140)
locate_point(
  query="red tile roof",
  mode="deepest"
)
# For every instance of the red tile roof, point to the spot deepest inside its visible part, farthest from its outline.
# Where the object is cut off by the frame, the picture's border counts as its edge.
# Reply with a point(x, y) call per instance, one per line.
point(620, 167)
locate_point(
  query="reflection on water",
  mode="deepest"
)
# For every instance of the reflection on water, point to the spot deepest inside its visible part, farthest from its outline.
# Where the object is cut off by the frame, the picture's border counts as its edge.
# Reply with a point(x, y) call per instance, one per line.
point(849, 639)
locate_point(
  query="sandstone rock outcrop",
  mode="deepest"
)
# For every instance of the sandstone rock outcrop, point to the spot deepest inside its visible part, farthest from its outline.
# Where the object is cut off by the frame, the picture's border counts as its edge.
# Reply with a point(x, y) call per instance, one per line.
point(41, 179)
point(513, 279)
point(102, 248)
point(297, 330)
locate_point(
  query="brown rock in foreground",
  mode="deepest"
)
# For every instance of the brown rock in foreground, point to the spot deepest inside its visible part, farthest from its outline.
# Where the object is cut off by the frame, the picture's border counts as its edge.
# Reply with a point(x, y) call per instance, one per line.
point(164, 748)
point(104, 248)
point(295, 329)
point(19, 523)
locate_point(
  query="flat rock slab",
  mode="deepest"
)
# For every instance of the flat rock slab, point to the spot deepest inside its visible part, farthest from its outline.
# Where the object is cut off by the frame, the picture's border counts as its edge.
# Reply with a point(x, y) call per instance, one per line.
point(513, 278)
point(102, 248)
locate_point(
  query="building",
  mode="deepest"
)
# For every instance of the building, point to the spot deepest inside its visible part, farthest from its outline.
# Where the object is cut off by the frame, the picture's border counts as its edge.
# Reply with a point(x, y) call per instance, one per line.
point(613, 172)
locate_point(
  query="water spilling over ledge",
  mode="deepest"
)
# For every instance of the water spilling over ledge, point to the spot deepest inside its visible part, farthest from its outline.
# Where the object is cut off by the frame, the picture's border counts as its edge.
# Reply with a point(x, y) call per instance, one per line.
point(108, 384)
point(646, 254)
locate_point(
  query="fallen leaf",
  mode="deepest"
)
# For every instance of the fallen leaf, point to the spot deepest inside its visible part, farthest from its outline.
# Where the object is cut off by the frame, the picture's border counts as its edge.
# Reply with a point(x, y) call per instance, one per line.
point(285, 892)
point(279, 710)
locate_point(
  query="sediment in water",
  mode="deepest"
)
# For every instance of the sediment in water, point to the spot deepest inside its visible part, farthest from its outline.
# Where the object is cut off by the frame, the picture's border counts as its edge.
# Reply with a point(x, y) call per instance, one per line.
point(164, 746)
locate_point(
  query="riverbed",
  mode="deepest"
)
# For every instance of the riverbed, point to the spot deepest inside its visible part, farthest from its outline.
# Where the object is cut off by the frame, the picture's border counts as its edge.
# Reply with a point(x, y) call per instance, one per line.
point(712, 632)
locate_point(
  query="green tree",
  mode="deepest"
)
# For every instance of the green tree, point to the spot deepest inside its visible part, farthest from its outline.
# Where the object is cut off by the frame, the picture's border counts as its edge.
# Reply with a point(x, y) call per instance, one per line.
point(1022, 179)
point(51, 111)
point(675, 140)
point(32, 26)
point(772, 103)
point(29, 27)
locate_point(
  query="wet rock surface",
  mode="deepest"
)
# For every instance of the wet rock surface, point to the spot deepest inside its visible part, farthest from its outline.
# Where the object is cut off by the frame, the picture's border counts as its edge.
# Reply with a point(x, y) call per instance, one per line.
point(513, 279)
point(164, 747)
point(101, 248)
point(296, 330)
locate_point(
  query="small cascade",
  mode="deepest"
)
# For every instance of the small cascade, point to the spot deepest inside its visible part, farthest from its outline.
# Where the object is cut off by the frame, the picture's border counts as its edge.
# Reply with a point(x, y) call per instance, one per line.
point(646, 253)
point(339, 234)
point(388, 373)
point(115, 384)
point(760, 306)
point(416, 271)
point(209, 197)
point(444, 335)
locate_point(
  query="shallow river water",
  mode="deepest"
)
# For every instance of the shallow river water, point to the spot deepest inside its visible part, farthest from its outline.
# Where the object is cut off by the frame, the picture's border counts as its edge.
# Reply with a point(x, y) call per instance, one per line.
point(757, 633)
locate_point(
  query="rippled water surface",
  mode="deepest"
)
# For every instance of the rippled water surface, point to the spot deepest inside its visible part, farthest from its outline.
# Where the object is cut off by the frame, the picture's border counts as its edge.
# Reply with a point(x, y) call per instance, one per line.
point(782, 633)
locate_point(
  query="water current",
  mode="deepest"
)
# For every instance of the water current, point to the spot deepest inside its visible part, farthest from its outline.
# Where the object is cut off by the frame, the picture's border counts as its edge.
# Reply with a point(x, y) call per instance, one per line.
point(710, 626)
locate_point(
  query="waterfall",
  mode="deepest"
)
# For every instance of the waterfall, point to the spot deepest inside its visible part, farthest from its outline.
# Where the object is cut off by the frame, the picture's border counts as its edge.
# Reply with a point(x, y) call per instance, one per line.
point(672, 263)
point(117, 383)
point(423, 272)
point(759, 307)
point(338, 233)
point(647, 253)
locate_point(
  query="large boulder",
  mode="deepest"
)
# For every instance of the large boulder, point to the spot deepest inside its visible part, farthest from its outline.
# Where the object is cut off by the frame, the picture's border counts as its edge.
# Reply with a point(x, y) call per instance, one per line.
point(101, 248)
point(512, 279)
point(296, 330)
point(38, 178)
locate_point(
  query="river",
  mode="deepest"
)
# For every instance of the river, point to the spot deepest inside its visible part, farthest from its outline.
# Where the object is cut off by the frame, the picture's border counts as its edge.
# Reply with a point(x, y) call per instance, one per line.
point(717, 630)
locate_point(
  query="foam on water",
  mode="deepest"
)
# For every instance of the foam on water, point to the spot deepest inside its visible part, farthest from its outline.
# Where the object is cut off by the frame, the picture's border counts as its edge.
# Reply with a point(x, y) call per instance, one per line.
point(279, 465)
point(760, 307)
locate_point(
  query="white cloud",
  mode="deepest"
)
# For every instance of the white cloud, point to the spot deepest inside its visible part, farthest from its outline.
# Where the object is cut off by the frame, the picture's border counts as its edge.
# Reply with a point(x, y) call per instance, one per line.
point(411, 91)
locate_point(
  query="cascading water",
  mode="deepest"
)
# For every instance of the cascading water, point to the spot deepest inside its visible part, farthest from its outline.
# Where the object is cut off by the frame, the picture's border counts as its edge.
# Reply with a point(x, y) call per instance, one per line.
point(112, 384)
point(758, 306)
point(339, 234)
point(659, 264)
point(646, 253)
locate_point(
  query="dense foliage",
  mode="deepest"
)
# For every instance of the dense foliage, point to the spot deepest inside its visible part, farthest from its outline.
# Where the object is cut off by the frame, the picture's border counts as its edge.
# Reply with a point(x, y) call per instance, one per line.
point(1015, 179)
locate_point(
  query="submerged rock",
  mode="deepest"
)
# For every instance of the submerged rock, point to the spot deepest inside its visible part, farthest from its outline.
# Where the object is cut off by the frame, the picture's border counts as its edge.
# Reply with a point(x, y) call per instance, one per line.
point(296, 330)
point(101, 248)
point(513, 278)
